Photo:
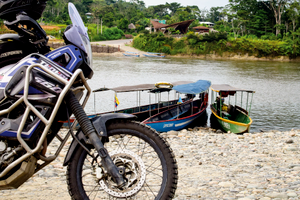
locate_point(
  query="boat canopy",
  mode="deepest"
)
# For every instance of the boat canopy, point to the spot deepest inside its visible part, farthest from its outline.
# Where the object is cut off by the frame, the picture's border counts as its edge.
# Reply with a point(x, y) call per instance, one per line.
point(141, 87)
point(228, 88)
point(193, 88)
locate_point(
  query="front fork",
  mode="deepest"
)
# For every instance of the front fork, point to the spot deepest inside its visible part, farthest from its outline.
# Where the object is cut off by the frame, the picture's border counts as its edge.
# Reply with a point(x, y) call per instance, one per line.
point(90, 132)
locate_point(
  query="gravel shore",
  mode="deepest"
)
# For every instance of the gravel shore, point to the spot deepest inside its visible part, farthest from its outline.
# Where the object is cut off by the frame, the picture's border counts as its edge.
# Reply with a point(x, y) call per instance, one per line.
point(212, 165)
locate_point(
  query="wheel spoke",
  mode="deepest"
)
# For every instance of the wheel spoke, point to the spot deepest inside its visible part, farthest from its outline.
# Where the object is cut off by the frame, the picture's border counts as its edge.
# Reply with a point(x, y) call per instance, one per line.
point(133, 149)
point(150, 190)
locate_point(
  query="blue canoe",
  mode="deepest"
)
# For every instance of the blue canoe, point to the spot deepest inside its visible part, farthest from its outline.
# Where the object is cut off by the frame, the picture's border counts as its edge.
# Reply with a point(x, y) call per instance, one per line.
point(131, 54)
point(182, 115)
point(152, 54)
point(142, 112)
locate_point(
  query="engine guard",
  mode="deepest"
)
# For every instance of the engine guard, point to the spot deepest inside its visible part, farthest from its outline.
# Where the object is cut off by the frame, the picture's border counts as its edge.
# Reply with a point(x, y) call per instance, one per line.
point(99, 123)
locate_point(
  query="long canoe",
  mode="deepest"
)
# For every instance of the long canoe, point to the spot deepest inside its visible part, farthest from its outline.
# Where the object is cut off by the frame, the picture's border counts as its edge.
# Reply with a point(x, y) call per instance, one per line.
point(131, 54)
point(152, 54)
point(180, 116)
point(177, 117)
point(144, 111)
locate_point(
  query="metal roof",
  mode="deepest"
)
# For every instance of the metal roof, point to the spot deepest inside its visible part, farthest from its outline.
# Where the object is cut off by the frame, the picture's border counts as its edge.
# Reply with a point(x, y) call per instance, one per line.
point(141, 87)
point(226, 87)
point(182, 26)
point(193, 88)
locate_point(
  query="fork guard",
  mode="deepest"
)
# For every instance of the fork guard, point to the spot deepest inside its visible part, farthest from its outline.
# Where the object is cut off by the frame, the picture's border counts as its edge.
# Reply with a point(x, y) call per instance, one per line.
point(99, 123)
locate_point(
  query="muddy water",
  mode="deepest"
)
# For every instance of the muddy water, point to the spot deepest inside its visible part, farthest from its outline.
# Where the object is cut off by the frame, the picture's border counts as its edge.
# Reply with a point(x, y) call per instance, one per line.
point(276, 102)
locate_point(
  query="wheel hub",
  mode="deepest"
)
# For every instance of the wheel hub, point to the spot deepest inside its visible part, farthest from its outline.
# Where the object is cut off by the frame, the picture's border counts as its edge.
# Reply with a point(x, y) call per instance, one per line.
point(133, 170)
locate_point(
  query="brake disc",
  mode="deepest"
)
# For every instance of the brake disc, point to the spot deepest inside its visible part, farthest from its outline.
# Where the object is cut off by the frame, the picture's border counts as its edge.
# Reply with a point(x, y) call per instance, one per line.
point(135, 174)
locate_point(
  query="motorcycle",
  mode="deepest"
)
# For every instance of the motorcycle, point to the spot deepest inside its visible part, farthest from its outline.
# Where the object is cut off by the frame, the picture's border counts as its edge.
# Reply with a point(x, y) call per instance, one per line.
point(110, 156)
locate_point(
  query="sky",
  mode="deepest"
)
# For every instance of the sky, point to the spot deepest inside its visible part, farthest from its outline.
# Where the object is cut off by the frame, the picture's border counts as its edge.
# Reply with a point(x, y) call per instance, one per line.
point(202, 4)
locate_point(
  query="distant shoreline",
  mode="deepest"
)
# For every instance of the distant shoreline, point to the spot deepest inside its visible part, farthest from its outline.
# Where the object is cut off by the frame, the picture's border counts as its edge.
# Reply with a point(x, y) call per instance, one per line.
point(226, 56)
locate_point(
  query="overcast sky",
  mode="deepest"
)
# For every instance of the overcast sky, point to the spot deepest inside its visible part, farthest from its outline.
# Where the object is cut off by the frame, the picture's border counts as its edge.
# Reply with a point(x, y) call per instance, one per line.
point(207, 4)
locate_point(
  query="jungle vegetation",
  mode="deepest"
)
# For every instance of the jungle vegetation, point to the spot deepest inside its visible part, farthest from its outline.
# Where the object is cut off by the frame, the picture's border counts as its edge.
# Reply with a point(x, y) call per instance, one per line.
point(257, 26)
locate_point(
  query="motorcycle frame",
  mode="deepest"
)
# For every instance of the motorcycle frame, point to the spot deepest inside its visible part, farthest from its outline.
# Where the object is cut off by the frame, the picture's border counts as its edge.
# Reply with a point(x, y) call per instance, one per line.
point(29, 107)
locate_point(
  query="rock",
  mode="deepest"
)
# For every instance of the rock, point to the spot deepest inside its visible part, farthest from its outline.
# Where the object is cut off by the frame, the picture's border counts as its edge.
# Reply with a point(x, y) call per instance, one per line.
point(172, 133)
point(210, 166)
point(251, 186)
point(290, 149)
point(290, 141)
point(292, 194)
point(277, 195)
point(226, 184)
point(183, 131)
point(219, 131)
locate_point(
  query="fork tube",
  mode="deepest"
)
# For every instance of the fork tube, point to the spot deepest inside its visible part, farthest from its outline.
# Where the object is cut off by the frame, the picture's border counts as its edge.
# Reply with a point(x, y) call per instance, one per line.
point(89, 131)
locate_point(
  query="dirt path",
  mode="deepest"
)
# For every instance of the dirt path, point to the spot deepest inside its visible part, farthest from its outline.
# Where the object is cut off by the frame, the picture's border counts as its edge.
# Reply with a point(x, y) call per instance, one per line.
point(123, 44)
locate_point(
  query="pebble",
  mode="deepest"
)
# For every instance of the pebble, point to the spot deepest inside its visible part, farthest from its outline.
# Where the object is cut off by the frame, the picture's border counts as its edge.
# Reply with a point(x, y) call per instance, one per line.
point(211, 165)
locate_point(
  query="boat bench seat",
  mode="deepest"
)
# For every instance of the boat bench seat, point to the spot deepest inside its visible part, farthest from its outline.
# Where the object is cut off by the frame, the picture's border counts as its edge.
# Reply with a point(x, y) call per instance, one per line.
point(226, 115)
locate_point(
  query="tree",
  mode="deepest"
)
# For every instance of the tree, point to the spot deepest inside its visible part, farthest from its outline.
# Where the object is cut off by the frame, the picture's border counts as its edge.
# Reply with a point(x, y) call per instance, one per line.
point(293, 13)
point(215, 14)
point(160, 10)
point(277, 6)
point(173, 7)
point(123, 24)
point(196, 12)
point(108, 19)
point(203, 14)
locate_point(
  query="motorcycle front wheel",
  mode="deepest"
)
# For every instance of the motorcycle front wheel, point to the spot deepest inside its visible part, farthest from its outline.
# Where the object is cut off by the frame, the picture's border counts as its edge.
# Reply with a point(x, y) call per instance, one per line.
point(146, 159)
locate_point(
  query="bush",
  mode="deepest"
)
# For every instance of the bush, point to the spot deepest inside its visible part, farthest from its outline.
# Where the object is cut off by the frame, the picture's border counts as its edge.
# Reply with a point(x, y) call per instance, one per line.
point(156, 42)
point(219, 43)
point(109, 34)
point(269, 36)
point(145, 31)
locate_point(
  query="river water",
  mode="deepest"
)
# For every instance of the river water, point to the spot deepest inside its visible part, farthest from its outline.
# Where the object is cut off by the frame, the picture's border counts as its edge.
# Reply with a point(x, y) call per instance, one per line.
point(277, 84)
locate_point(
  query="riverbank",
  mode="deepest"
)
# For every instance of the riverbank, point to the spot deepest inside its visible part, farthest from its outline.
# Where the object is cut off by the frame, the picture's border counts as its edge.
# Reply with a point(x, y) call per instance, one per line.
point(211, 166)
point(220, 45)
point(118, 47)
point(237, 56)
point(225, 56)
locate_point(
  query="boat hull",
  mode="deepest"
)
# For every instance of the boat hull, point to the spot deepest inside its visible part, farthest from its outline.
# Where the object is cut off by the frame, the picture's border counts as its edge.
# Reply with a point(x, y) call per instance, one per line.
point(154, 56)
point(131, 55)
point(175, 124)
point(232, 126)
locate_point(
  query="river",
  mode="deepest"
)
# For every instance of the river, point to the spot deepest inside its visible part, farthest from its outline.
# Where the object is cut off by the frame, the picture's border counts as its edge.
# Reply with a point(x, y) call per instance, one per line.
point(277, 84)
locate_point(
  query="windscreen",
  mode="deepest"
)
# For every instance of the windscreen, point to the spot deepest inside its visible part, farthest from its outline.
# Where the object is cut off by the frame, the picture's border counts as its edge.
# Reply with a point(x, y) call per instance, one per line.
point(77, 21)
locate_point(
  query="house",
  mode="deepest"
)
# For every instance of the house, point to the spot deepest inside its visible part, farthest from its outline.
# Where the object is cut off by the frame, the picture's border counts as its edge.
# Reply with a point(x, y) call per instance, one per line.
point(201, 29)
point(210, 24)
point(131, 26)
point(181, 26)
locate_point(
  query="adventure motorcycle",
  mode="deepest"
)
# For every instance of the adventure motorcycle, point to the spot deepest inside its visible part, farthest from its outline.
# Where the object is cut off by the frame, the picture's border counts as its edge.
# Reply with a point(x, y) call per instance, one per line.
point(111, 156)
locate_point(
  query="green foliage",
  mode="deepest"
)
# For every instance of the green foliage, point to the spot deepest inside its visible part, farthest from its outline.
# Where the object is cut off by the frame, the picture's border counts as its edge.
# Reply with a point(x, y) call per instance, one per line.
point(153, 42)
point(145, 31)
point(123, 24)
point(56, 33)
point(249, 29)
point(269, 36)
point(218, 43)
point(211, 36)
point(109, 34)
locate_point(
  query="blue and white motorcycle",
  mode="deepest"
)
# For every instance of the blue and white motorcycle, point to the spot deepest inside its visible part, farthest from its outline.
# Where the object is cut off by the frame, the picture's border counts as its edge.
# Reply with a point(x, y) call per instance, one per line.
point(111, 156)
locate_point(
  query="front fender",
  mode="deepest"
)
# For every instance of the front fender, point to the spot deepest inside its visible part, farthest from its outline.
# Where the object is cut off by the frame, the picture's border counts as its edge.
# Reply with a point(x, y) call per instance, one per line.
point(99, 123)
